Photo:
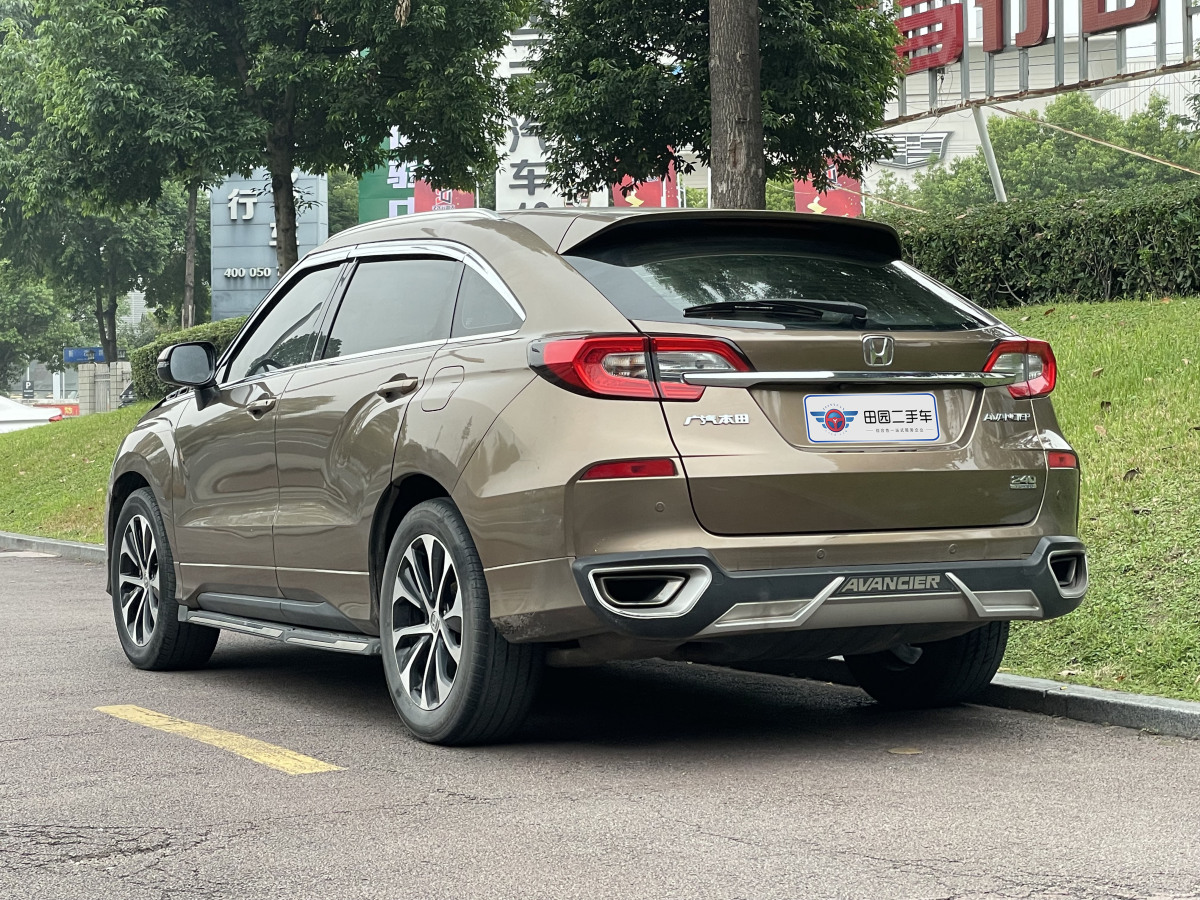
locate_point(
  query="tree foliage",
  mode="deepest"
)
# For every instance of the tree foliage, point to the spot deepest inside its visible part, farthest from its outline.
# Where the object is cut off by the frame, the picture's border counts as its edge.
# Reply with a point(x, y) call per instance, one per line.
point(33, 325)
point(1037, 162)
point(216, 87)
point(621, 87)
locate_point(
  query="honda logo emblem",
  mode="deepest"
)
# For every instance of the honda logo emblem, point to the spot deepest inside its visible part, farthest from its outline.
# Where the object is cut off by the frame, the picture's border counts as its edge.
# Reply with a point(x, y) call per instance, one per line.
point(878, 349)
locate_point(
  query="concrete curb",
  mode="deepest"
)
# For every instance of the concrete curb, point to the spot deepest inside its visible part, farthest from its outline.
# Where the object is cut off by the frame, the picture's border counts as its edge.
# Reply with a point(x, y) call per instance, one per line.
point(1179, 718)
point(69, 549)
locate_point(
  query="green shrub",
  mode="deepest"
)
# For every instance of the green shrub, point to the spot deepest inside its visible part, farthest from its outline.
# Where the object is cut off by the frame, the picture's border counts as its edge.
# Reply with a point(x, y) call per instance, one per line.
point(144, 359)
point(1131, 244)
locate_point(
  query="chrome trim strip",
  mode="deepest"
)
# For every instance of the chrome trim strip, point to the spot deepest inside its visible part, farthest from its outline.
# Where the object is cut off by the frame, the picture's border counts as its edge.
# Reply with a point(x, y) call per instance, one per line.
point(751, 379)
point(999, 606)
point(360, 644)
point(738, 617)
point(200, 565)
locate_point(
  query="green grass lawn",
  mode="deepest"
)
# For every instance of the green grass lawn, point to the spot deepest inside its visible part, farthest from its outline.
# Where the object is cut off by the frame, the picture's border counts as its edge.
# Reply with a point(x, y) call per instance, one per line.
point(1128, 398)
point(53, 477)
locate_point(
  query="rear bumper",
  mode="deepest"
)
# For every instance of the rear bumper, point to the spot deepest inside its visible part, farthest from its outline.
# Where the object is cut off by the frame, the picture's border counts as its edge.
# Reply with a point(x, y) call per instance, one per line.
point(687, 595)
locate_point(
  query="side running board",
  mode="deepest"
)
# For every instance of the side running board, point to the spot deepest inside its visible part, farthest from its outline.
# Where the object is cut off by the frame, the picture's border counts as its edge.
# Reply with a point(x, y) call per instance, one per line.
point(338, 641)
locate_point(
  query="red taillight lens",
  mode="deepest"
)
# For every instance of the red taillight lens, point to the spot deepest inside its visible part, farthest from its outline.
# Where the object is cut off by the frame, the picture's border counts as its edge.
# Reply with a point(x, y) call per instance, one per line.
point(1061, 459)
point(631, 468)
point(606, 366)
point(620, 366)
point(57, 418)
point(1032, 362)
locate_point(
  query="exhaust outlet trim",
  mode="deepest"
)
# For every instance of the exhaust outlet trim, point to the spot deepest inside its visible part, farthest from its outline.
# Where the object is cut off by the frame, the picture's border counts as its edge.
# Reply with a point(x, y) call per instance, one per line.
point(681, 589)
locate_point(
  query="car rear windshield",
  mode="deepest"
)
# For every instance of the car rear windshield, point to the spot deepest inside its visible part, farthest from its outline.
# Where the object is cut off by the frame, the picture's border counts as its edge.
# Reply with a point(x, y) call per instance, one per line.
point(770, 283)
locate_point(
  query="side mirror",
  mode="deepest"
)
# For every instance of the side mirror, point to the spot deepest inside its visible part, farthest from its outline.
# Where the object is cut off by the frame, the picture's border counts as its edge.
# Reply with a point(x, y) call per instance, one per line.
point(188, 365)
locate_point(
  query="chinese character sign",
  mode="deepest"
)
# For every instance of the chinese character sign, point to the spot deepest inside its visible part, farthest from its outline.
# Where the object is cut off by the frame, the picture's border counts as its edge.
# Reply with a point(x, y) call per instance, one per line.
point(521, 178)
point(242, 217)
point(428, 199)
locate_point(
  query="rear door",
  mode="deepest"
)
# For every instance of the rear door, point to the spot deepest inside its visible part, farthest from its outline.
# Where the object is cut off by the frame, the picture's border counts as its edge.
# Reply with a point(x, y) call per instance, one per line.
point(866, 409)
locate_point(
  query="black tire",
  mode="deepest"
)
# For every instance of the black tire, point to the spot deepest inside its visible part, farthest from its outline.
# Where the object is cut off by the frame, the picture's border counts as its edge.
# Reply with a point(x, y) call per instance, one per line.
point(145, 608)
point(947, 672)
point(492, 683)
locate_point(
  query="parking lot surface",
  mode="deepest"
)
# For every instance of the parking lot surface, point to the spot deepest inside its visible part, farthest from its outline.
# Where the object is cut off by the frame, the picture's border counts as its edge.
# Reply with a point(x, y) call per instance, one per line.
point(639, 780)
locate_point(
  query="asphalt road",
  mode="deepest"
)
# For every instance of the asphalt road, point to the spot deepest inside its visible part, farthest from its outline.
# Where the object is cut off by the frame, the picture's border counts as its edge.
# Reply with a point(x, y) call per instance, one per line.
point(640, 781)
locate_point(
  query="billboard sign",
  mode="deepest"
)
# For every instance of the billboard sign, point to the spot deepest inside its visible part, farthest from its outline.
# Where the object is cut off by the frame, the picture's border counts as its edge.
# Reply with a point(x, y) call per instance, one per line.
point(977, 52)
point(244, 264)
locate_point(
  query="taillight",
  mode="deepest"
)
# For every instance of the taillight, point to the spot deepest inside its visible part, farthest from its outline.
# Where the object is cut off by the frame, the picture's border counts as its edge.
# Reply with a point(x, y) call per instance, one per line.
point(57, 418)
point(1061, 459)
point(1031, 362)
point(634, 367)
point(604, 366)
point(631, 468)
point(675, 355)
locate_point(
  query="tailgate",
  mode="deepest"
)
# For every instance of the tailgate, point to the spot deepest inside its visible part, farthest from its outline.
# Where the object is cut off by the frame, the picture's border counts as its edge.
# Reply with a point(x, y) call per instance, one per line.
point(831, 447)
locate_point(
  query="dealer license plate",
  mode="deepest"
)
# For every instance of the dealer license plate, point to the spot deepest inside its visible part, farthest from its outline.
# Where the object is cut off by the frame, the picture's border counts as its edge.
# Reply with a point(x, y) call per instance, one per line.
point(871, 418)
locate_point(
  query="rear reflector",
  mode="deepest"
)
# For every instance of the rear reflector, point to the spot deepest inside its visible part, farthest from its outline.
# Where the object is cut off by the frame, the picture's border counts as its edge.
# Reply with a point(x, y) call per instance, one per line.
point(1061, 459)
point(1032, 362)
point(631, 468)
point(634, 366)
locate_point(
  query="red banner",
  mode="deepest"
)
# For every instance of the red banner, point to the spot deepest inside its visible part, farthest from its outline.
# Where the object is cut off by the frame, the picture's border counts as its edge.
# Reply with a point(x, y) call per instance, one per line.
point(843, 198)
point(655, 192)
point(429, 200)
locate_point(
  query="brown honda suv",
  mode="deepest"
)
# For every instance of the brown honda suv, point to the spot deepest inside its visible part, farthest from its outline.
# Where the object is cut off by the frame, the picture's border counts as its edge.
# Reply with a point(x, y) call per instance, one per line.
point(477, 443)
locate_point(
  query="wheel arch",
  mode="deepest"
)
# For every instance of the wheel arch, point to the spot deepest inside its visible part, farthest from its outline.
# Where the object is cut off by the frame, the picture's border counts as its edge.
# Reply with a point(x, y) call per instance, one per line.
point(400, 497)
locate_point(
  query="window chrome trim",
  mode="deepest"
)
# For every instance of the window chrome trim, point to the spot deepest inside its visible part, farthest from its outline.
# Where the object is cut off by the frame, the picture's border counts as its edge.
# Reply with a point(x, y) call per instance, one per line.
point(452, 249)
point(374, 250)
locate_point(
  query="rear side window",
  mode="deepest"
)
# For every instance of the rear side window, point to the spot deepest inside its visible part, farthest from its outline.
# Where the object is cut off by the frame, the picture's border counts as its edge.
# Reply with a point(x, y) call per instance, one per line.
point(394, 303)
point(770, 282)
point(481, 309)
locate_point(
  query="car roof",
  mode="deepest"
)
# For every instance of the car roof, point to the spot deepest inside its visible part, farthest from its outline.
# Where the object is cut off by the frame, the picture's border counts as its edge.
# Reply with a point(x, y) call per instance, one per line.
point(564, 230)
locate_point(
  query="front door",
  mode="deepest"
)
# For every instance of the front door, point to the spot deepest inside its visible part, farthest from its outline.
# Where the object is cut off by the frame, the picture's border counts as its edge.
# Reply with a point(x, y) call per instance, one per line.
point(340, 419)
point(225, 504)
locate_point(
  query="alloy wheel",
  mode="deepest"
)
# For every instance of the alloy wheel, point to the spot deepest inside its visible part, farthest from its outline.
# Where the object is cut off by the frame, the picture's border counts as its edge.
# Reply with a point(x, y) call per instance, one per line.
point(427, 622)
point(138, 585)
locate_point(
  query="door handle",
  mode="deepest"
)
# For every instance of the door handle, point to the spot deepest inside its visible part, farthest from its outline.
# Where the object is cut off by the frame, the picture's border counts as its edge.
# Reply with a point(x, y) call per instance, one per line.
point(260, 407)
point(396, 387)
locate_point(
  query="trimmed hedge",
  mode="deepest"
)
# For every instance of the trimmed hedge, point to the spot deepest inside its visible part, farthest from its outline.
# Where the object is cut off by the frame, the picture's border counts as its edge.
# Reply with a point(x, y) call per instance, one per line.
point(1131, 244)
point(143, 360)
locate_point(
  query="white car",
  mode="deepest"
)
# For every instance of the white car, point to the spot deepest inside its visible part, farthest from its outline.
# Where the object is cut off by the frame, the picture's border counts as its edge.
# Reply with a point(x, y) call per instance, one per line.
point(14, 416)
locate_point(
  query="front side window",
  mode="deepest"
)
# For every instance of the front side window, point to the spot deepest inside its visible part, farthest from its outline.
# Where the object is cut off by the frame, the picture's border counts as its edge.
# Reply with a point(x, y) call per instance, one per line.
point(395, 303)
point(287, 334)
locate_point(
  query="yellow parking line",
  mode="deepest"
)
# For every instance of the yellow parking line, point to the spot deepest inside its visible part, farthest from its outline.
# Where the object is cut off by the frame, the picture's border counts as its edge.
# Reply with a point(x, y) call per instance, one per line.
point(259, 751)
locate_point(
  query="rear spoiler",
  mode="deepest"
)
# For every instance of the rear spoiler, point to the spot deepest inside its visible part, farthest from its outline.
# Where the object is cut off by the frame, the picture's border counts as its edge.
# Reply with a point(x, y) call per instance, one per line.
point(591, 234)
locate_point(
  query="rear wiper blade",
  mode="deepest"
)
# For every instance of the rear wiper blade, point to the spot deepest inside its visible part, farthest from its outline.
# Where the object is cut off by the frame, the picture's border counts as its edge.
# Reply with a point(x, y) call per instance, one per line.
point(792, 307)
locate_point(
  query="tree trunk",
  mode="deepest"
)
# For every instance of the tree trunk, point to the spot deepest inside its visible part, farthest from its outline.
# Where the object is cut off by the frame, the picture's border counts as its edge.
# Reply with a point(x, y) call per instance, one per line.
point(279, 158)
point(188, 316)
point(106, 316)
point(739, 179)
